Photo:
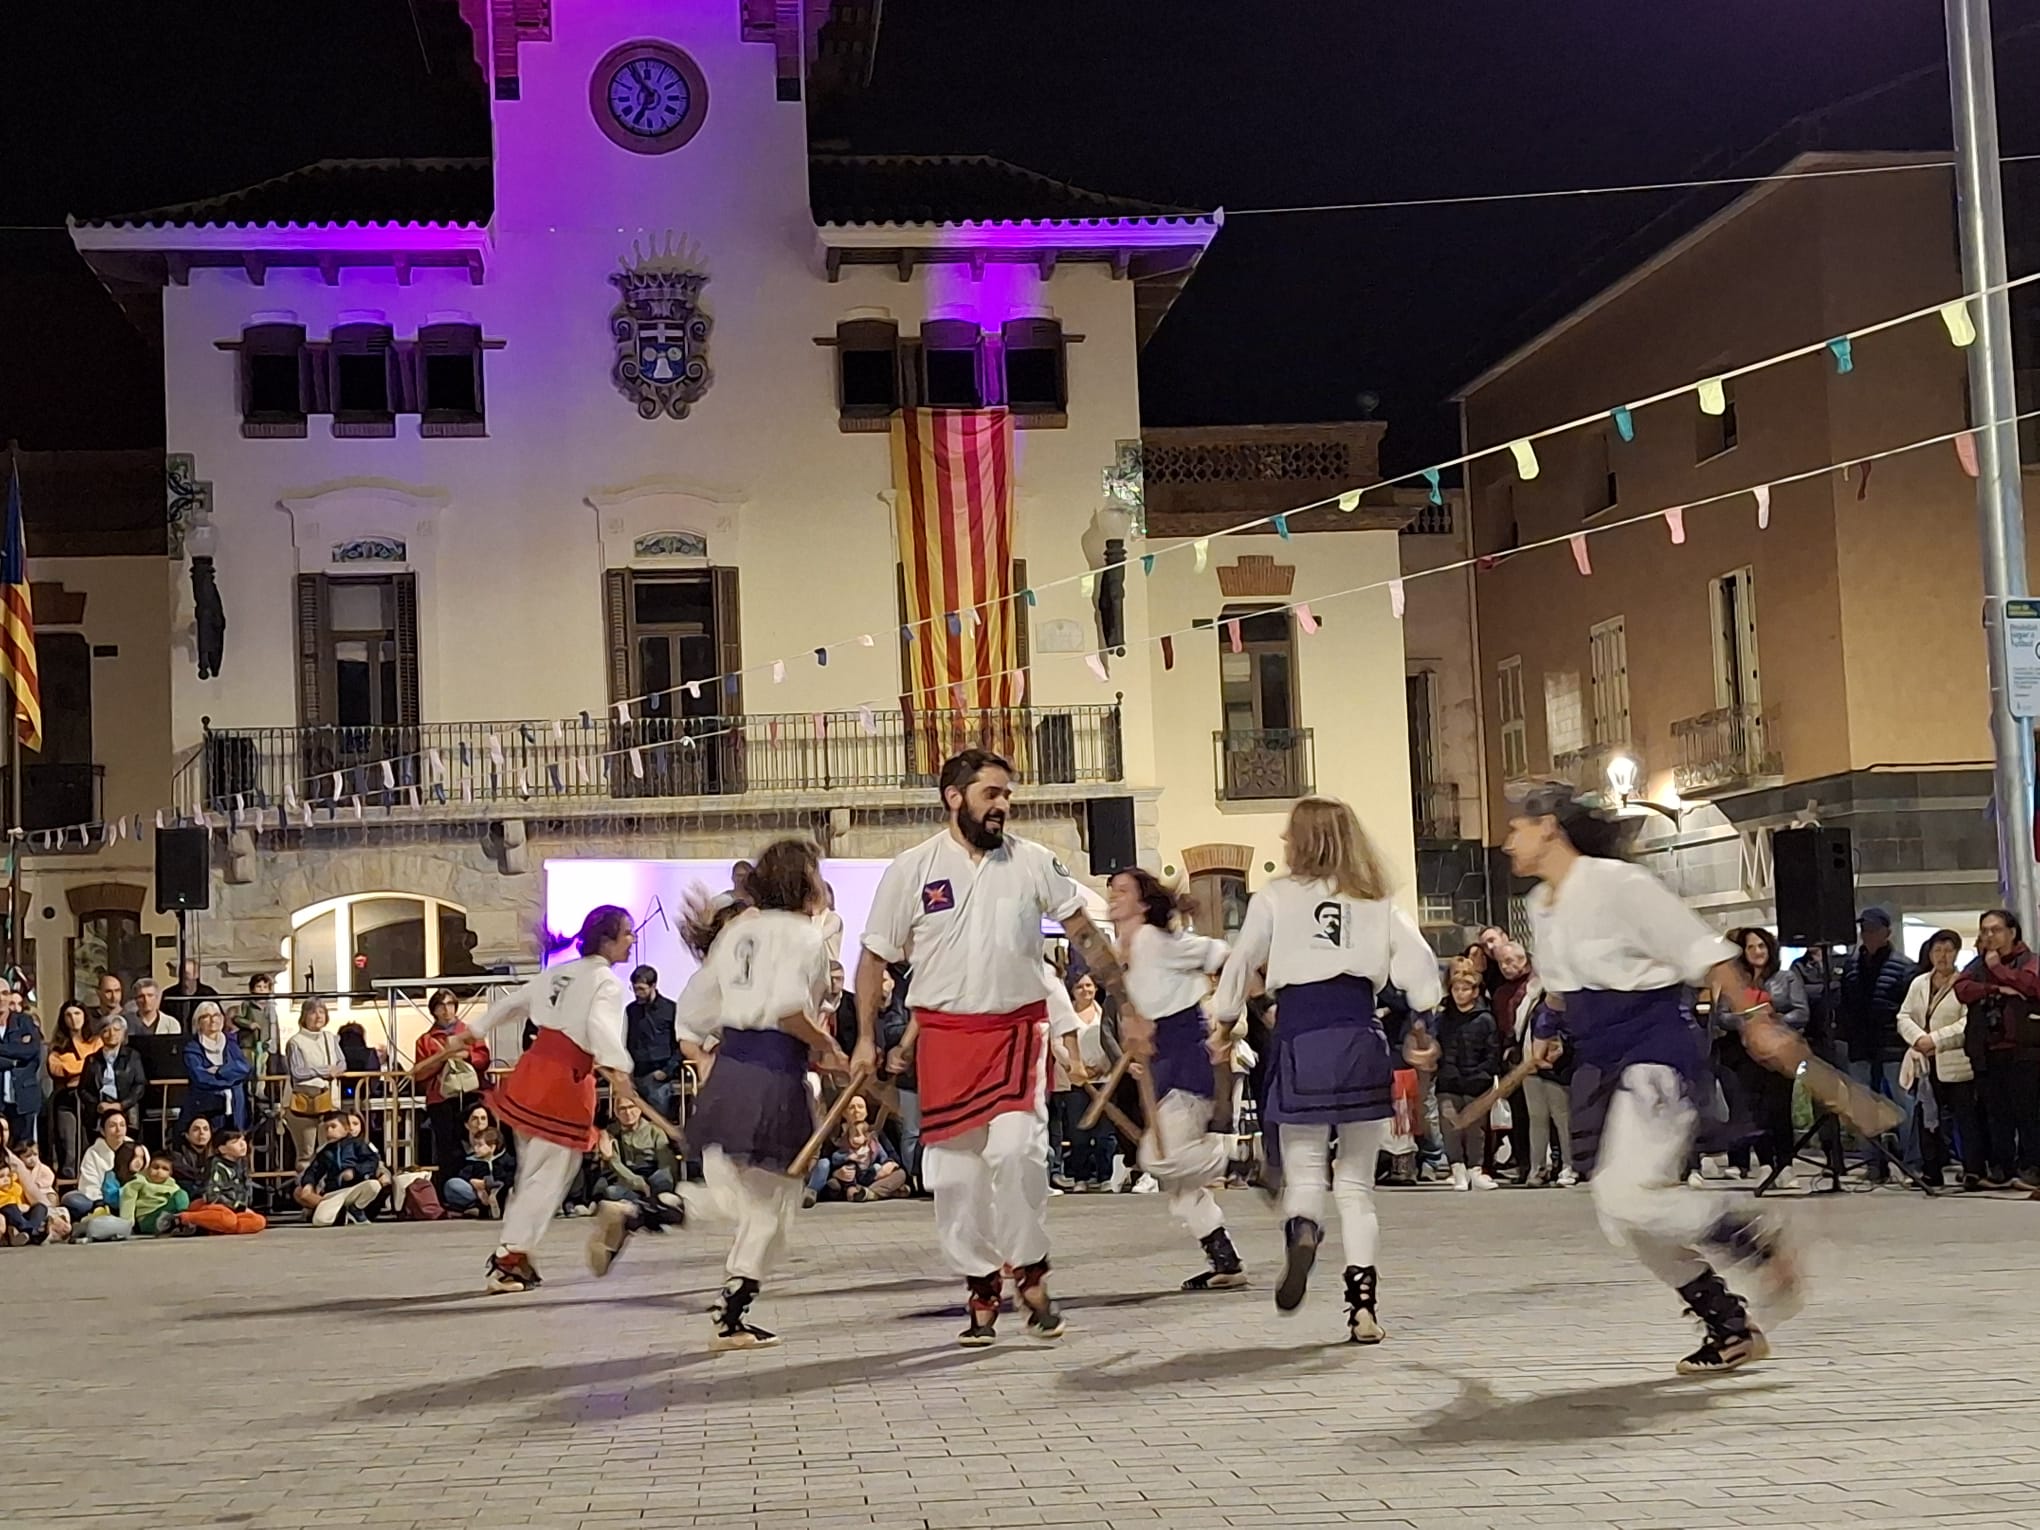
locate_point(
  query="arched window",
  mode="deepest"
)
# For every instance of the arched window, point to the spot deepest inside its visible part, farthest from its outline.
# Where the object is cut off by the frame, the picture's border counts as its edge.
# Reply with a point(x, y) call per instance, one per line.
point(356, 946)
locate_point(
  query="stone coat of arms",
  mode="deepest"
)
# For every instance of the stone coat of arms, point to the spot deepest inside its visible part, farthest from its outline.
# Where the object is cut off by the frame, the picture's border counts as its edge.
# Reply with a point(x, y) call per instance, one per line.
point(661, 332)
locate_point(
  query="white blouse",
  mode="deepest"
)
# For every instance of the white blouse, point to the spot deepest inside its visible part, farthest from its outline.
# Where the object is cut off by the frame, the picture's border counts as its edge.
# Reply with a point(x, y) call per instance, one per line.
point(582, 999)
point(1613, 926)
point(1166, 969)
point(765, 965)
point(1308, 932)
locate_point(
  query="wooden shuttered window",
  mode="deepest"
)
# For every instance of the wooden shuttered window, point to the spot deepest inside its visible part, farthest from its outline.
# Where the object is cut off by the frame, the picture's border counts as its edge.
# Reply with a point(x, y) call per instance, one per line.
point(276, 386)
point(316, 701)
point(364, 384)
point(318, 690)
point(616, 622)
point(729, 642)
point(446, 367)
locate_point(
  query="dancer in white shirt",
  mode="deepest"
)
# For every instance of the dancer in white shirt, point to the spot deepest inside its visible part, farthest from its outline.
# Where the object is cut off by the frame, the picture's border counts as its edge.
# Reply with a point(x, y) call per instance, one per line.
point(758, 999)
point(1167, 979)
point(549, 1097)
point(1329, 940)
point(1614, 948)
point(966, 908)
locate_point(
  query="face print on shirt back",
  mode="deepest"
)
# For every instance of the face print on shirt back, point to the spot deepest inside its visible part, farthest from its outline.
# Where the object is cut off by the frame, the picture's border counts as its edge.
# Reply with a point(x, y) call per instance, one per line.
point(743, 960)
point(1330, 918)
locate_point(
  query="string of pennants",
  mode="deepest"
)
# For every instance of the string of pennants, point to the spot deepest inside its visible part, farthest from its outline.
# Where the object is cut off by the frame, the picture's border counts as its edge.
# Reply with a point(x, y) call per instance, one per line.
point(392, 779)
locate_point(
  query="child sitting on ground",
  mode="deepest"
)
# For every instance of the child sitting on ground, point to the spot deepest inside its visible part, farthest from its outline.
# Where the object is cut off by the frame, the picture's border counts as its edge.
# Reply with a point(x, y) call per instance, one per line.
point(224, 1199)
point(24, 1220)
point(152, 1201)
point(344, 1177)
point(104, 1224)
point(477, 1187)
point(41, 1181)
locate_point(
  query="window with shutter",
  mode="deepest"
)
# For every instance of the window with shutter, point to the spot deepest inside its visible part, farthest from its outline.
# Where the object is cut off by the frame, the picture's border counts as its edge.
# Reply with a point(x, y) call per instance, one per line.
point(363, 385)
point(1036, 378)
point(313, 639)
point(404, 589)
point(448, 372)
point(276, 392)
point(867, 372)
point(952, 364)
point(616, 629)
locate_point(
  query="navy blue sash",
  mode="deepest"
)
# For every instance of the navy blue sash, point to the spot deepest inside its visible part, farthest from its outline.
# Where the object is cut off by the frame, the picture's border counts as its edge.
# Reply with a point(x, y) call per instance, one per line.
point(1181, 1060)
point(1331, 1059)
point(772, 1050)
point(1611, 1031)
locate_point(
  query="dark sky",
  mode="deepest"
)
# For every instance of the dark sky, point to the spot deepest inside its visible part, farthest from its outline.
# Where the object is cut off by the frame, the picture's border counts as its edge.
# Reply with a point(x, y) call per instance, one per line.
point(1201, 102)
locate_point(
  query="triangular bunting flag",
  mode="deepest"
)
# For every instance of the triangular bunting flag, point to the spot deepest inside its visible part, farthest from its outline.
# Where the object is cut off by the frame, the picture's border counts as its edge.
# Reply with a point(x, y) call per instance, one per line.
point(1763, 497)
point(867, 721)
point(1526, 458)
point(1168, 652)
point(1097, 667)
point(1202, 548)
point(1965, 452)
point(1282, 527)
point(1625, 422)
point(822, 656)
point(1579, 553)
point(1232, 636)
point(1304, 619)
point(1675, 521)
point(1395, 598)
point(1349, 501)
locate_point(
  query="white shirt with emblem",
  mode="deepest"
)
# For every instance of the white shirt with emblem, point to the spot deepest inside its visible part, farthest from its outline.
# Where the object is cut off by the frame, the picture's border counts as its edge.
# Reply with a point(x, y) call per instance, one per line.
point(582, 998)
point(1308, 932)
point(765, 965)
point(1166, 969)
point(971, 927)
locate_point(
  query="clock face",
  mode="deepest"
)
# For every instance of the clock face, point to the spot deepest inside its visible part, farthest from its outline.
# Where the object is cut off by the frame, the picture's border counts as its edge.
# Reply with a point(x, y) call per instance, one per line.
point(648, 97)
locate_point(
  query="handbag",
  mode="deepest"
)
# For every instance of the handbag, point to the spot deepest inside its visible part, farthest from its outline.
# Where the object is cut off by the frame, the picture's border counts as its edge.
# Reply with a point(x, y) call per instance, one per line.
point(459, 1077)
point(311, 1102)
point(422, 1204)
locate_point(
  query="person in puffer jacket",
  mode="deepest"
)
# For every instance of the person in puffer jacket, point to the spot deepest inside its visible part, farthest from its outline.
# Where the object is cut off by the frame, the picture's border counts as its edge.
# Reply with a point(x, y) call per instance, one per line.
point(1469, 1049)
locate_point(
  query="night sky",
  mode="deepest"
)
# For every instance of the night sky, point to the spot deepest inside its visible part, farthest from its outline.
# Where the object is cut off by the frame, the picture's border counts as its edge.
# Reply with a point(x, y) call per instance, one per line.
point(1197, 102)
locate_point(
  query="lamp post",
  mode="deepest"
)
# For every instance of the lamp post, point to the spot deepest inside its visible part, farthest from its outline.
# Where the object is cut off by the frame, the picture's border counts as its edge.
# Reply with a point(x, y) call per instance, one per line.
point(2000, 508)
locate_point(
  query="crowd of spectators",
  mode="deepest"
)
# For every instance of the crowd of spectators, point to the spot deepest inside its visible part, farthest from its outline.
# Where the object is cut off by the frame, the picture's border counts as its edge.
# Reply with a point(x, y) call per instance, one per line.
point(1956, 1046)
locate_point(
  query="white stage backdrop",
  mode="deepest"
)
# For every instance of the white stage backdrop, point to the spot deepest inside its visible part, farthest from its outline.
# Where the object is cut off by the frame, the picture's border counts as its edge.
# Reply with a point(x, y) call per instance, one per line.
point(656, 891)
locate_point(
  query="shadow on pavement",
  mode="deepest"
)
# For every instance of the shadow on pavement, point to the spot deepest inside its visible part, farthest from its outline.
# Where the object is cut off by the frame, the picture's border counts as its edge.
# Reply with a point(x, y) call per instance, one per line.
point(1478, 1413)
point(1205, 1365)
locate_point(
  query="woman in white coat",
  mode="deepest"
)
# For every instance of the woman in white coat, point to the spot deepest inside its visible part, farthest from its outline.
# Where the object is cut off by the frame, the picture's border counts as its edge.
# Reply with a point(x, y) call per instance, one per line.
point(1933, 1023)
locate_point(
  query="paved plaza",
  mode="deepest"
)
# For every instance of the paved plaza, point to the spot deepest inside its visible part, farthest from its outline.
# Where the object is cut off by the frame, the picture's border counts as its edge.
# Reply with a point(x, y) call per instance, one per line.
point(355, 1377)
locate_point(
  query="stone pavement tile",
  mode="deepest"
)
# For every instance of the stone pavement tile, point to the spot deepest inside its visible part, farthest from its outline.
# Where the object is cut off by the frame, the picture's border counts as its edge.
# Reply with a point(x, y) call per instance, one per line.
point(594, 1405)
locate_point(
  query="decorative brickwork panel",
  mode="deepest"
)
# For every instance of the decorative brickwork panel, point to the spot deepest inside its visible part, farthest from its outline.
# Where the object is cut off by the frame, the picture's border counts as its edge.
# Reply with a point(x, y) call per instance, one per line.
point(1256, 574)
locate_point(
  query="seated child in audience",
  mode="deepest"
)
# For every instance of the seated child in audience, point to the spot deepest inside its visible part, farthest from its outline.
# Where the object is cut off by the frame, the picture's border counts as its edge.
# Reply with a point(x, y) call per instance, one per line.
point(860, 1167)
point(105, 1223)
point(477, 1187)
point(41, 1180)
point(25, 1221)
point(152, 1201)
point(344, 1177)
point(636, 1162)
point(191, 1157)
point(223, 1202)
point(357, 1128)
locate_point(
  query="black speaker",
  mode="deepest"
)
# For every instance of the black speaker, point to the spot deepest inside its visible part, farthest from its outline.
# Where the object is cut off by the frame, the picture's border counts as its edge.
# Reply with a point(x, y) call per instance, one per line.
point(183, 870)
point(1108, 834)
point(1814, 873)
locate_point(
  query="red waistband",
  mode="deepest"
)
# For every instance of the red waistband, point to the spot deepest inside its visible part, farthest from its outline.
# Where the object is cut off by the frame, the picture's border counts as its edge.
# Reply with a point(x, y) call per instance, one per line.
point(943, 1020)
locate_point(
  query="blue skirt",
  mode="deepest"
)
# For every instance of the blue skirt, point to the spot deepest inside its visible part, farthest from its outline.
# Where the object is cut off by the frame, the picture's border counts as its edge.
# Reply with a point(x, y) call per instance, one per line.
point(755, 1104)
point(1613, 1031)
point(1331, 1061)
point(1181, 1060)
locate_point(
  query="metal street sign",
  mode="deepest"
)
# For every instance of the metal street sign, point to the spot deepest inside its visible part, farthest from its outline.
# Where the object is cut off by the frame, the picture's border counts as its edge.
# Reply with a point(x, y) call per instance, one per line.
point(2022, 656)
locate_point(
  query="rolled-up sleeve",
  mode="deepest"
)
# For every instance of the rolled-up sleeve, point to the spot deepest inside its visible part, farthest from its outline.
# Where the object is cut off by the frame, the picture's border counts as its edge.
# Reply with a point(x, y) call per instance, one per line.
point(1249, 956)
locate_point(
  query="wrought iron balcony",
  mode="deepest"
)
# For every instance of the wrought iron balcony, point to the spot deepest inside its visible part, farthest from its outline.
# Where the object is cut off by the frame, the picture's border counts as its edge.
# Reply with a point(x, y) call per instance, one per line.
point(445, 765)
point(57, 796)
point(1727, 747)
point(1263, 764)
point(1587, 768)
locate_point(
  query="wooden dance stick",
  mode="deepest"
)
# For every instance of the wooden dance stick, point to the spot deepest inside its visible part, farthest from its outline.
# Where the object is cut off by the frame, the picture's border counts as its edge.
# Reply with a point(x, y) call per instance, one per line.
point(1477, 1109)
point(1149, 1109)
point(805, 1159)
point(1101, 1096)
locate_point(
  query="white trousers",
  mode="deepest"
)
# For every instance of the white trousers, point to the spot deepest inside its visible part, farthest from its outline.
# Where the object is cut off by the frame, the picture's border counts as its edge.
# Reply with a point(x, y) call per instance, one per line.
point(1639, 1182)
point(1195, 1158)
point(1305, 1150)
point(991, 1193)
point(544, 1171)
point(359, 1196)
point(760, 1202)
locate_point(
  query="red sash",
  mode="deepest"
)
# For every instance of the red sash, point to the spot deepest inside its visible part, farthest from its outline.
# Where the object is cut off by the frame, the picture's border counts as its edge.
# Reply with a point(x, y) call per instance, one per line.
point(550, 1093)
point(974, 1067)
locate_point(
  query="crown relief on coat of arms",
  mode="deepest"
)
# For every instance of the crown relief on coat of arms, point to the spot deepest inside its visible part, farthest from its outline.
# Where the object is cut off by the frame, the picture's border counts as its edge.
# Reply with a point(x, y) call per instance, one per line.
point(660, 329)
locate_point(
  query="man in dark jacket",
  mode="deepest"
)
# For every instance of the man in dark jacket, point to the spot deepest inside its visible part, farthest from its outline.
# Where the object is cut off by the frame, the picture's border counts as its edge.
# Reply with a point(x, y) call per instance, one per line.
point(2002, 989)
point(21, 1068)
point(653, 1041)
point(1873, 986)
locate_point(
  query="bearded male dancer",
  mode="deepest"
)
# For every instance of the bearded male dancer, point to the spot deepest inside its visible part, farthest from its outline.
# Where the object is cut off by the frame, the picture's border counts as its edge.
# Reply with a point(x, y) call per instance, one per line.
point(966, 908)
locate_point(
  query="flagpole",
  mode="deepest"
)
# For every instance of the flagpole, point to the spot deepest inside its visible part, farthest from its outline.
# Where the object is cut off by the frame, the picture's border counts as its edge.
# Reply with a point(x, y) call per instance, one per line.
point(15, 838)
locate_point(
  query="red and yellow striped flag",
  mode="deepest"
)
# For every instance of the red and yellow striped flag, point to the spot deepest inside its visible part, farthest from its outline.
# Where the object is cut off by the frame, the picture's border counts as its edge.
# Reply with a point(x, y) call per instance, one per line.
point(953, 470)
point(17, 623)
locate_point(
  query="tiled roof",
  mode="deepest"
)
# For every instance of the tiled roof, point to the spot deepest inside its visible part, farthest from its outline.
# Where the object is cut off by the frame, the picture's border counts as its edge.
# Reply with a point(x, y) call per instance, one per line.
point(900, 189)
point(441, 191)
point(958, 188)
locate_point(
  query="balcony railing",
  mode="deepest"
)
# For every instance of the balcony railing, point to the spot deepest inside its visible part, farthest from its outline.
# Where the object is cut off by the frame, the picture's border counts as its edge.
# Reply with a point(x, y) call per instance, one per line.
point(57, 796)
point(1729, 746)
point(448, 764)
point(1263, 764)
point(1587, 768)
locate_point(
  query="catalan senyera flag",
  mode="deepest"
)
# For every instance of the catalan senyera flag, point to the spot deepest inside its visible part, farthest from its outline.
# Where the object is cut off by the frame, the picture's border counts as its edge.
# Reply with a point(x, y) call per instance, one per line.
point(953, 472)
point(17, 623)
